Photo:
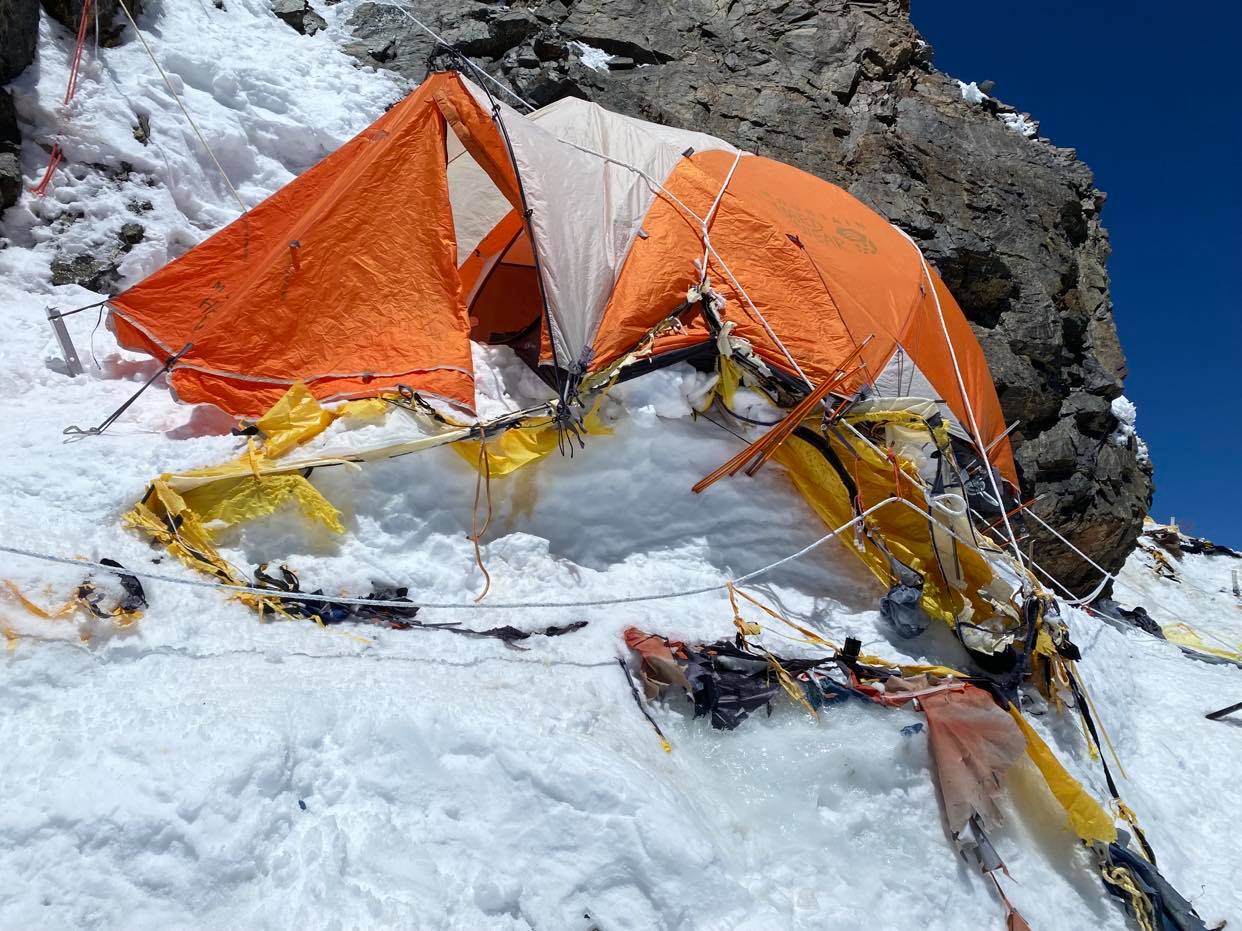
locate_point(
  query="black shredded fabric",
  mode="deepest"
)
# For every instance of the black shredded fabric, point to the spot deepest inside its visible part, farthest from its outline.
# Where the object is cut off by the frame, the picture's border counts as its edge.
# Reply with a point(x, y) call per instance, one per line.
point(134, 599)
point(396, 618)
point(1172, 911)
point(728, 684)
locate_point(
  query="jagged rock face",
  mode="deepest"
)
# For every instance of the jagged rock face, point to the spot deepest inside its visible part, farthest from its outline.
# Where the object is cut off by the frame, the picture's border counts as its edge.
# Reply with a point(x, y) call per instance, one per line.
point(847, 90)
point(10, 153)
point(106, 14)
point(19, 30)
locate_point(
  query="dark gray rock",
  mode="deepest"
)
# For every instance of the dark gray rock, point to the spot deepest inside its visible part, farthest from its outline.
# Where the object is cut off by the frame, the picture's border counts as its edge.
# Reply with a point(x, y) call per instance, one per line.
point(19, 30)
point(93, 274)
point(10, 153)
point(142, 131)
point(300, 15)
point(847, 90)
point(10, 180)
point(131, 234)
point(107, 13)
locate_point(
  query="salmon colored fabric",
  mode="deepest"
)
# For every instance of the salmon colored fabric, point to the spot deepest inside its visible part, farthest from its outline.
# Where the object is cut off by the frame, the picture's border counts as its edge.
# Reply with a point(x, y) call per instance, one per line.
point(826, 272)
point(345, 279)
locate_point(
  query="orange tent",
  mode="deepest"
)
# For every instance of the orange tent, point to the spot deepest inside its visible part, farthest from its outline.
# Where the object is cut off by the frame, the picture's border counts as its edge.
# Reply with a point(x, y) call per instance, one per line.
point(572, 227)
point(345, 279)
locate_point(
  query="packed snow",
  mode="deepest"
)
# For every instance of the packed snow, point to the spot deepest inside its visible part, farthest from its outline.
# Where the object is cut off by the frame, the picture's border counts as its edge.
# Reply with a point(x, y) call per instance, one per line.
point(594, 58)
point(971, 92)
point(1127, 416)
point(1020, 123)
point(202, 768)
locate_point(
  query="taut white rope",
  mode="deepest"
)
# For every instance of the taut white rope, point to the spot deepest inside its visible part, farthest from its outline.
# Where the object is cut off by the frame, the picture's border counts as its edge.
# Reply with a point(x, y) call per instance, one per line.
point(970, 409)
point(177, 98)
point(473, 67)
point(305, 596)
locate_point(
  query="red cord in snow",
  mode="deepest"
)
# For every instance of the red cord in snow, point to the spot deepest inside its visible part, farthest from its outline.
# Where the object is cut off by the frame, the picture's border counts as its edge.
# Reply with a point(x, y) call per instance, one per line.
point(75, 67)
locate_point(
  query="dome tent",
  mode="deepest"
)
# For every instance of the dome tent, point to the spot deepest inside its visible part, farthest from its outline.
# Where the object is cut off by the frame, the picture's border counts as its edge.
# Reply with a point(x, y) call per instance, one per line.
point(373, 268)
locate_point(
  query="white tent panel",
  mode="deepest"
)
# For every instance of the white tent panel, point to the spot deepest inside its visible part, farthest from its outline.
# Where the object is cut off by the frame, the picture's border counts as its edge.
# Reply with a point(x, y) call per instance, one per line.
point(587, 209)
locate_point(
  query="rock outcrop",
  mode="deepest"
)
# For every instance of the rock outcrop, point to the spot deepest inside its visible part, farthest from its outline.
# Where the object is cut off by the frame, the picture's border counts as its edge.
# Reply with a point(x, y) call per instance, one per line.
point(300, 15)
point(19, 32)
point(846, 89)
point(107, 16)
point(10, 153)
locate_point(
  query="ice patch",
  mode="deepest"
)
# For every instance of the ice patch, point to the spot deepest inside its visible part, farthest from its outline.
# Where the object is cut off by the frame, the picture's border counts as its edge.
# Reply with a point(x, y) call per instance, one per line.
point(971, 92)
point(1020, 123)
point(594, 58)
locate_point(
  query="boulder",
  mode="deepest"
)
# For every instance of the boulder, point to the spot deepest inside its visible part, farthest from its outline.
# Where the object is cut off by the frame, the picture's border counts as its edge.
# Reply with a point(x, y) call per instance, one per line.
point(300, 15)
point(108, 14)
point(10, 153)
point(19, 30)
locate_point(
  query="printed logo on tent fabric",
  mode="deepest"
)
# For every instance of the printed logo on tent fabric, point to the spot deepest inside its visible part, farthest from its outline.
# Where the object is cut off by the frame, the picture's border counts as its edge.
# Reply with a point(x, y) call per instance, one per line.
point(843, 235)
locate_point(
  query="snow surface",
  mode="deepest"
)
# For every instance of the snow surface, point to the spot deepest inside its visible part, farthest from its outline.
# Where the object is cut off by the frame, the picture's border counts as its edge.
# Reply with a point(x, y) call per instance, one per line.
point(1201, 592)
point(155, 776)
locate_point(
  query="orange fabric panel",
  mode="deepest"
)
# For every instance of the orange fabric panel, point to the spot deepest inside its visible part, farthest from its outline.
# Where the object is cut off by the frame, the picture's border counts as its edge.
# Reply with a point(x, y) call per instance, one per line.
point(934, 361)
point(507, 303)
point(488, 251)
point(346, 278)
point(772, 270)
point(476, 130)
point(876, 280)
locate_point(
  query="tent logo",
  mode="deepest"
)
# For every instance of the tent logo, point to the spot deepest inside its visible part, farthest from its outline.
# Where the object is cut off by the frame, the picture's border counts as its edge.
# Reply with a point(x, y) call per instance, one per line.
point(811, 226)
point(858, 238)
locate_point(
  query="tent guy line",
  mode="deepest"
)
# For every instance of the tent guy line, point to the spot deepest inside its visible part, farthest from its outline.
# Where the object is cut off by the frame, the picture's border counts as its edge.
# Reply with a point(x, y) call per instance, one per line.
point(374, 603)
point(167, 83)
point(473, 67)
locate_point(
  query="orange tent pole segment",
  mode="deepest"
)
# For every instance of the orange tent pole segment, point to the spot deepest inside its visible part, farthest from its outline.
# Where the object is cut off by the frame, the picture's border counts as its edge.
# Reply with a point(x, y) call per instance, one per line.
point(766, 445)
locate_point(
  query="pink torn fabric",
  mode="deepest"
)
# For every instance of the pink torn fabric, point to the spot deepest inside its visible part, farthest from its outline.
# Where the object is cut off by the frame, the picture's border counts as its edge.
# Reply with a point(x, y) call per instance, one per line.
point(973, 744)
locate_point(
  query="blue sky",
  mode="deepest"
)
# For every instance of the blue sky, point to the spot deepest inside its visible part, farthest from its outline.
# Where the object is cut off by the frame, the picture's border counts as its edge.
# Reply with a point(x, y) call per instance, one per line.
point(1147, 94)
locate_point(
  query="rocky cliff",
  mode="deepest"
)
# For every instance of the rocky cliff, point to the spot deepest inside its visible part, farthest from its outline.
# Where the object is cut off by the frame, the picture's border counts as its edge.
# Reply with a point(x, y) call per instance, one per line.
point(846, 89)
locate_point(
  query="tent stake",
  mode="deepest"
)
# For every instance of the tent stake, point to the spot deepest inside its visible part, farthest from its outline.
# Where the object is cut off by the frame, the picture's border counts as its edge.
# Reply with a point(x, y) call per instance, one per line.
point(111, 418)
point(1217, 715)
point(73, 365)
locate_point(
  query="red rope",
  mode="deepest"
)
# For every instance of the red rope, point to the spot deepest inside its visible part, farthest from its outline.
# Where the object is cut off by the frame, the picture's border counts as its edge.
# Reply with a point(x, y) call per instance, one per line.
point(76, 63)
point(54, 160)
point(57, 155)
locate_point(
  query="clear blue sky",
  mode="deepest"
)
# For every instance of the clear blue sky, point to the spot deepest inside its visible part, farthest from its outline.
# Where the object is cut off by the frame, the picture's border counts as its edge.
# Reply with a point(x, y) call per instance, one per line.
point(1148, 93)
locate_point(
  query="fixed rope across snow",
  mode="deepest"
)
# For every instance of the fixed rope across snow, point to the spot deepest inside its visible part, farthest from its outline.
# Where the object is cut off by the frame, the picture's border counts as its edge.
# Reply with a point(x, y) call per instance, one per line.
point(374, 603)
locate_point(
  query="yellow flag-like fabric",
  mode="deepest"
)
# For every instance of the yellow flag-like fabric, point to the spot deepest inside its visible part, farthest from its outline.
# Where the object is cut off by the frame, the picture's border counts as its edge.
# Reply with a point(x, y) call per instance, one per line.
point(1087, 817)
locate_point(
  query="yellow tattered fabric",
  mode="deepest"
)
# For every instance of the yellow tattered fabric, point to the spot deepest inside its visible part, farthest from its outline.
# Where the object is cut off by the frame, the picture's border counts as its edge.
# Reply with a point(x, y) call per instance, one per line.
point(905, 531)
point(1087, 817)
point(1186, 636)
point(183, 510)
point(525, 443)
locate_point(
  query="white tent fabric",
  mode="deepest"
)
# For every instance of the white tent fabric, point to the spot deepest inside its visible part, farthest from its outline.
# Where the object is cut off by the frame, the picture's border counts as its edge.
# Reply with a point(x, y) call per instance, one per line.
point(587, 209)
point(476, 202)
